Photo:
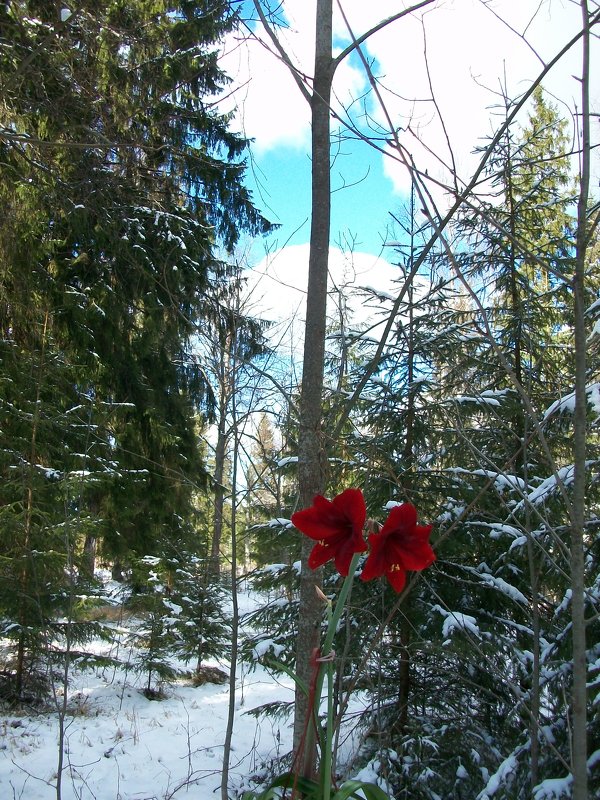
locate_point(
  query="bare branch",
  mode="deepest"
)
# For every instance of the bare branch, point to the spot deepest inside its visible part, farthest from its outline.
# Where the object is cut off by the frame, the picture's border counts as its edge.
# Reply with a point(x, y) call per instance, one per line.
point(298, 76)
point(458, 202)
point(355, 44)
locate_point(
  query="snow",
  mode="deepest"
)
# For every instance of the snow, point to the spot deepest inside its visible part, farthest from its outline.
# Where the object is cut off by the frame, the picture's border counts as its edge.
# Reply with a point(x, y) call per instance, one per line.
point(273, 569)
point(564, 604)
point(590, 310)
point(501, 480)
point(498, 528)
point(120, 744)
point(283, 462)
point(371, 774)
point(519, 542)
point(553, 788)
point(267, 646)
point(504, 587)
point(500, 778)
point(550, 485)
point(279, 522)
point(593, 760)
point(566, 404)
point(455, 620)
point(480, 399)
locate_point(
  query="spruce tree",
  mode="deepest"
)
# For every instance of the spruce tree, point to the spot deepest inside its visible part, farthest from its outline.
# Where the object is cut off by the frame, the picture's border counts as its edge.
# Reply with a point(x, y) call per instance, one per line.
point(123, 188)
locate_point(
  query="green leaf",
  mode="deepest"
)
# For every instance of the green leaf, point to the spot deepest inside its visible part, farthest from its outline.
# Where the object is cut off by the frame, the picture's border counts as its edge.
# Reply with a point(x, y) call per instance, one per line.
point(279, 665)
point(370, 791)
point(287, 780)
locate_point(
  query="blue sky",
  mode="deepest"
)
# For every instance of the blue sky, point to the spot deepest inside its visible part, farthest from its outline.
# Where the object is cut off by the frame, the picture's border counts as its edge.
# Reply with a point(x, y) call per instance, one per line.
point(443, 75)
point(281, 183)
point(451, 63)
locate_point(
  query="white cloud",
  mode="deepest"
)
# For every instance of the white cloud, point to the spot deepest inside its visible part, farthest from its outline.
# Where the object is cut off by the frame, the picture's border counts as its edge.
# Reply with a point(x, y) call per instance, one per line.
point(465, 58)
point(268, 104)
point(470, 53)
point(276, 290)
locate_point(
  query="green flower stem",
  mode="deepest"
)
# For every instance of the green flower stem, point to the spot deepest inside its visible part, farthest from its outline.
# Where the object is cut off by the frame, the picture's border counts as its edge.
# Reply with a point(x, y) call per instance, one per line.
point(328, 755)
point(339, 606)
point(326, 667)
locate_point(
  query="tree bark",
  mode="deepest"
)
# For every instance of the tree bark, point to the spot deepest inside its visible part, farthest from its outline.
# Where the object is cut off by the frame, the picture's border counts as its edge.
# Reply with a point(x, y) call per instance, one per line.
point(311, 452)
point(225, 393)
point(579, 692)
point(235, 617)
point(88, 557)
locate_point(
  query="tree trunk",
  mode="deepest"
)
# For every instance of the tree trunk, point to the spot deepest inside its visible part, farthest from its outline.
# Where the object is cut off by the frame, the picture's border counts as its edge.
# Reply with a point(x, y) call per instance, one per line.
point(88, 560)
point(401, 725)
point(116, 572)
point(219, 493)
point(225, 393)
point(311, 451)
point(235, 617)
point(579, 696)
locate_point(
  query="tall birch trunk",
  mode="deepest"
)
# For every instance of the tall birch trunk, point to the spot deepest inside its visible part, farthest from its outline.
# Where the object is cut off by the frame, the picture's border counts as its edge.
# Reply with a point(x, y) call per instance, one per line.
point(311, 451)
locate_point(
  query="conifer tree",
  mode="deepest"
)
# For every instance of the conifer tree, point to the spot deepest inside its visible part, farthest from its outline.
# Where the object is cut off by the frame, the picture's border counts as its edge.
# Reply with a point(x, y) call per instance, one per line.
point(123, 186)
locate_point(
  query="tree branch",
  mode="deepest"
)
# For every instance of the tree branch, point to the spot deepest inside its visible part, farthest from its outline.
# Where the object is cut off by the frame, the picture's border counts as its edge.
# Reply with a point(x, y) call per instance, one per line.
point(296, 74)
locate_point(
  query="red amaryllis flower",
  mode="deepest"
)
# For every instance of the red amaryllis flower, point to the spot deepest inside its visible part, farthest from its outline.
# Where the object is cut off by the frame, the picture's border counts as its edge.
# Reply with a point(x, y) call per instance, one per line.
point(337, 527)
point(399, 546)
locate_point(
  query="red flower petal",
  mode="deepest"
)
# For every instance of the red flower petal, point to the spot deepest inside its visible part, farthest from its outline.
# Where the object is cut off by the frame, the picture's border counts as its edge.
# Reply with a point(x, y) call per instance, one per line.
point(397, 579)
point(319, 555)
point(337, 526)
point(417, 553)
point(401, 545)
point(401, 519)
point(351, 503)
point(344, 554)
point(375, 564)
point(315, 521)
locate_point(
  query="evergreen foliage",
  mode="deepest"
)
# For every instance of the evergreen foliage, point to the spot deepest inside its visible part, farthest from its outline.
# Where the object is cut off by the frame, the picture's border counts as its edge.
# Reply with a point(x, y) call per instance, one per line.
point(122, 190)
point(123, 334)
point(471, 403)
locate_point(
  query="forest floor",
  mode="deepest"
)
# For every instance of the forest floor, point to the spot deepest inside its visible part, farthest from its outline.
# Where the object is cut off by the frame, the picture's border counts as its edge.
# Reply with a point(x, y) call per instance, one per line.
point(120, 745)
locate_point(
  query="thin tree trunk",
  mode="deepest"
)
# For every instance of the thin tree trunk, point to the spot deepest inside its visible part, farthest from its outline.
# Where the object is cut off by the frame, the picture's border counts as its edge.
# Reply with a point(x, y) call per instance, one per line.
point(408, 459)
point(219, 494)
point(579, 697)
point(521, 461)
point(534, 579)
point(234, 596)
point(311, 455)
point(401, 724)
point(226, 338)
point(25, 576)
point(88, 561)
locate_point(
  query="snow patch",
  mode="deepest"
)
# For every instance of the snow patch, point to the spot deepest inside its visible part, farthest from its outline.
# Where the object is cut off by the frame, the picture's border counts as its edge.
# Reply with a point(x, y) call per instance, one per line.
point(279, 522)
point(283, 462)
point(553, 788)
point(505, 588)
point(265, 646)
point(566, 404)
point(500, 778)
point(455, 620)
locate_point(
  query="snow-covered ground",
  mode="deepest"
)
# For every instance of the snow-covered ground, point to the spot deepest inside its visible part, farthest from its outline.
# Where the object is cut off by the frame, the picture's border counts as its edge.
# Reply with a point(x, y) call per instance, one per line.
point(120, 745)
